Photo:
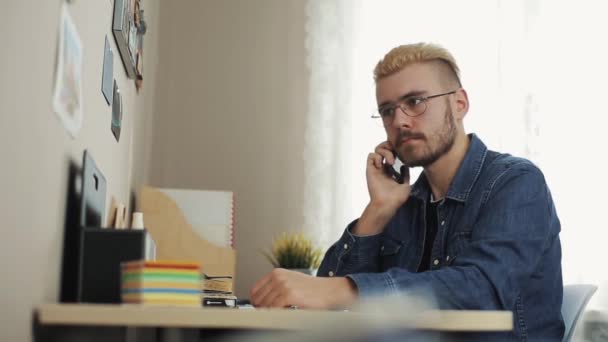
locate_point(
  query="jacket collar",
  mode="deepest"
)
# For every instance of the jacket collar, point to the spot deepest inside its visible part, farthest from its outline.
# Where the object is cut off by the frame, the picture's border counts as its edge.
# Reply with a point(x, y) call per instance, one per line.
point(465, 177)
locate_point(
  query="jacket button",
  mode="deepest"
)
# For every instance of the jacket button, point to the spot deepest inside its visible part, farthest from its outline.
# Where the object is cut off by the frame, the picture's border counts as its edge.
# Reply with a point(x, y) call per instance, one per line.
point(382, 249)
point(447, 258)
point(331, 273)
point(443, 222)
point(436, 262)
point(345, 246)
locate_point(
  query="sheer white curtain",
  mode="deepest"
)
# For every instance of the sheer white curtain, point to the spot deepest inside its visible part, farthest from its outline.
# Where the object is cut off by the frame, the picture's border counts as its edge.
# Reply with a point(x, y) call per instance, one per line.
point(327, 155)
point(536, 74)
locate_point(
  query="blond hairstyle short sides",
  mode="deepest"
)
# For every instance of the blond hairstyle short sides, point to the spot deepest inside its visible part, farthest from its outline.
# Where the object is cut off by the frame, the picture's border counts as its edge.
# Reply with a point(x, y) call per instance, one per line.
point(404, 55)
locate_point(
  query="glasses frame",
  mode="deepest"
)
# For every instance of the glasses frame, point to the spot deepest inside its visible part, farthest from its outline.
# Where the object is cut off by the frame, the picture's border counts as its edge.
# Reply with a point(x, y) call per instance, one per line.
point(401, 103)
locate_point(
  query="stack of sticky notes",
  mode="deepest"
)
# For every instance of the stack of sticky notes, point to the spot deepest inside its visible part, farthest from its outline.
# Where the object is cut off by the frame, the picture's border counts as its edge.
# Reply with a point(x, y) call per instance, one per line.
point(161, 282)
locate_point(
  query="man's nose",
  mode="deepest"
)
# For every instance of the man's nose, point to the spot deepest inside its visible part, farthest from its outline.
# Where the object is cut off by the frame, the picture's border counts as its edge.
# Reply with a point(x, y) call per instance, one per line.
point(400, 119)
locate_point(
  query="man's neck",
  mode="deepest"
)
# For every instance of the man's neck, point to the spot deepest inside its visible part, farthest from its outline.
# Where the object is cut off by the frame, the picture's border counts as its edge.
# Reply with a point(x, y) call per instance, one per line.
point(441, 172)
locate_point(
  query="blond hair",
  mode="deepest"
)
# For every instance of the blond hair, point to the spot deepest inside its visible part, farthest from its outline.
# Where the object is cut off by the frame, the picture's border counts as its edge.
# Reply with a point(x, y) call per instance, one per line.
point(404, 55)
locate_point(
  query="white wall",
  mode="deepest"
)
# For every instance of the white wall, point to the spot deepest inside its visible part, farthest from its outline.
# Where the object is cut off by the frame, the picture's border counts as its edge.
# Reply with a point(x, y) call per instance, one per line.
point(230, 113)
point(35, 150)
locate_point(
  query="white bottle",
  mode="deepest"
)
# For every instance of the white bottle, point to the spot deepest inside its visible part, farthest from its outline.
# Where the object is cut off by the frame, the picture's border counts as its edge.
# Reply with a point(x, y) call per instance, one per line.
point(137, 222)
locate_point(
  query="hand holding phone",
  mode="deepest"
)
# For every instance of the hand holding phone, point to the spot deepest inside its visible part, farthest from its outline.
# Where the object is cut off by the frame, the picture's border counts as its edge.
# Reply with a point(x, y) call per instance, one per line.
point(384, 163)
point(395, 171)
point(386, 196)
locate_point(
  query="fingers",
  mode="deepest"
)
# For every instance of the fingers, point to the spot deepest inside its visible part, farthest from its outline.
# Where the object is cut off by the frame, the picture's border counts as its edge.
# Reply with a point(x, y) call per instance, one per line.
point(261, 289)
point(280, 288)
point(271, 290)
point(374, 159)
point(385, 149)
point(274, 300)
point(260, 284)
point(264, 295)
point(281, 302)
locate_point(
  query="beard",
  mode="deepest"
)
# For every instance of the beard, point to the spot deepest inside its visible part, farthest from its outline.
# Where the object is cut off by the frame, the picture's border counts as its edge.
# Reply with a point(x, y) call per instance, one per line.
point(438, 144)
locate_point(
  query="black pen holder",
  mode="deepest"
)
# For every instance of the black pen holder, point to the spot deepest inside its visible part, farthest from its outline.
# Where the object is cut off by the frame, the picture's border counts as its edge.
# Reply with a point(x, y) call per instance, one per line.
point(100, 252)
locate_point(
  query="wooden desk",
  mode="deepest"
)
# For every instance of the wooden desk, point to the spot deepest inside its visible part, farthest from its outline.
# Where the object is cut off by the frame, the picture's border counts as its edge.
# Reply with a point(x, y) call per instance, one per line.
point(281, 319)
point(129, 315)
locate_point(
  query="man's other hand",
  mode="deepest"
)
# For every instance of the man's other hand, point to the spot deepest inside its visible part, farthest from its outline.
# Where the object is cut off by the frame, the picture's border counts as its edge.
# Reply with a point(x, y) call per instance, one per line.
point(284, 288)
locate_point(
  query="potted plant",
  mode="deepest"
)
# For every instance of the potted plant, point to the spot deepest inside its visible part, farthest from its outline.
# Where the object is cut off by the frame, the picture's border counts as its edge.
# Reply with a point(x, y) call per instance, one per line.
point(296, 252)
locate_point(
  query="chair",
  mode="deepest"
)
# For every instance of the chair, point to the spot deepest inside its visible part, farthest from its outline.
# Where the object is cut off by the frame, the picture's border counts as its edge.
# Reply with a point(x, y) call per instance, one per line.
point(575, 300)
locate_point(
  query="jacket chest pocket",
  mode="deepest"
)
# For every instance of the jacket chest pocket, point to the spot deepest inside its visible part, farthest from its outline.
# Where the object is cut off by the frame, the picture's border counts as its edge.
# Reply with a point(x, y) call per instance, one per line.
point(390, 254)
point(456, 244)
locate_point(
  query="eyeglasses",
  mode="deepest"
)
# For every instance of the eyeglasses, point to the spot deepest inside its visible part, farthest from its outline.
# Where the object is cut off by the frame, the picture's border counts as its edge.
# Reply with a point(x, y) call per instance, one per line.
point(410, 106)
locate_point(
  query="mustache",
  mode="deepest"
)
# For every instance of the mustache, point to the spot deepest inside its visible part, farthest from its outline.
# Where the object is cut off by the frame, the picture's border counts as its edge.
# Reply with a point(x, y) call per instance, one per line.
point(408, 135)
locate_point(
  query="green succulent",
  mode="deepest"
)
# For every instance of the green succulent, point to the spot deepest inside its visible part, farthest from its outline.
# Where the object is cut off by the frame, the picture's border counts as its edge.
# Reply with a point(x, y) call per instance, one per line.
point(294, 250)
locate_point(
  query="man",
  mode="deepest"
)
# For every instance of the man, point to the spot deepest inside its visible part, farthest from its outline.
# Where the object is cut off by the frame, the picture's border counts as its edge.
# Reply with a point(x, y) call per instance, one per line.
point(478, 228)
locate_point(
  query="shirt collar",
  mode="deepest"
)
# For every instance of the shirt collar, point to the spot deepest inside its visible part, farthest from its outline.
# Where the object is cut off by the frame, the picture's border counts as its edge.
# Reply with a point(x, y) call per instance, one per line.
point(465, 178)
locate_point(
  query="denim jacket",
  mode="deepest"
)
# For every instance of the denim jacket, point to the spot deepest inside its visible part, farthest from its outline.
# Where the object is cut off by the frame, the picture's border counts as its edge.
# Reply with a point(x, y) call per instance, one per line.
point(497, 246)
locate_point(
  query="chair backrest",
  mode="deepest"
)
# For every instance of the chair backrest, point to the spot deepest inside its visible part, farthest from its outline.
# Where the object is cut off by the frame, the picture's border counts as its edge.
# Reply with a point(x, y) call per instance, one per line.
point(575, 300)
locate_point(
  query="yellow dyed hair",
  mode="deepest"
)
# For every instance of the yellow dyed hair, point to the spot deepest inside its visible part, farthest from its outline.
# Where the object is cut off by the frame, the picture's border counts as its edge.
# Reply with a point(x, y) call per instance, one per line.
point(404, 55)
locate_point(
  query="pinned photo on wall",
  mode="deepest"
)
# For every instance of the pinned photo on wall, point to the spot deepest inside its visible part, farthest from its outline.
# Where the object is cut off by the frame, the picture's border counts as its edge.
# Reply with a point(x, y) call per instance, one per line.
point(116, 113)
point(142, 27)
point(129, 27)
point(125, 34)
point(107, 75)
point(67, 96)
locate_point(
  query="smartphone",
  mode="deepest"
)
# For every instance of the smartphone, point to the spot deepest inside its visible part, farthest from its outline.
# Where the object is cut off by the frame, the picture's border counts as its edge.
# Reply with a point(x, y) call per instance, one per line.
point(394, 171)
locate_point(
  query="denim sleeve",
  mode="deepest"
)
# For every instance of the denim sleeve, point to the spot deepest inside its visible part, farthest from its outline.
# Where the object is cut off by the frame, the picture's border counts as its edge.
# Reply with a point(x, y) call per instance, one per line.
point(351, 254)
point(516, 227)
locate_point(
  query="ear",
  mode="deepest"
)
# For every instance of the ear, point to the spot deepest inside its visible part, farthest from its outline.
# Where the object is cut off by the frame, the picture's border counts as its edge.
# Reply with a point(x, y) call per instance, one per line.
point(462, 103)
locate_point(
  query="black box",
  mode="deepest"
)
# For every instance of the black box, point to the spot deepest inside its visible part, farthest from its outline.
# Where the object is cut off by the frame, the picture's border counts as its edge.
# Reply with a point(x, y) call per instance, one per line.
point(101, 252)
point(91, 254)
